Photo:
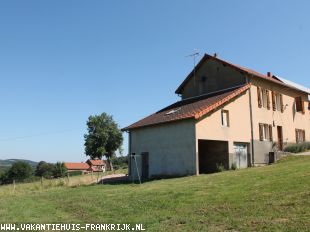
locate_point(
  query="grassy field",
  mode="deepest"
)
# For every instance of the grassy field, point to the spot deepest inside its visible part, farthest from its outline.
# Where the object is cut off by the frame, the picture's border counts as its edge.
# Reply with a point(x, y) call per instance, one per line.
point(271, 198)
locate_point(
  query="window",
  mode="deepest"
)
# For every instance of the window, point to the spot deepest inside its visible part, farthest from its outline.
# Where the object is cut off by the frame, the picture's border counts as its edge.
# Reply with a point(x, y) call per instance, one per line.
point(265, 95)
point(299, 105)
point(300, 135)
point(265, 132)
point(277, 101)
point(225, 118)
point(263, 98)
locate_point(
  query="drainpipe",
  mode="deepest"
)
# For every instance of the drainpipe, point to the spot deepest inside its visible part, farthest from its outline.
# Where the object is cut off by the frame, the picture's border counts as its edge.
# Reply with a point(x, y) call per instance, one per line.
point(129, 155)
point(248, 80)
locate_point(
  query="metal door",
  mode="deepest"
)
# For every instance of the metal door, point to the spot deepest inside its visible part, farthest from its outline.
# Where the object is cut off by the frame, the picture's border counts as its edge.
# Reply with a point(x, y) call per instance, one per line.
point(241, 154)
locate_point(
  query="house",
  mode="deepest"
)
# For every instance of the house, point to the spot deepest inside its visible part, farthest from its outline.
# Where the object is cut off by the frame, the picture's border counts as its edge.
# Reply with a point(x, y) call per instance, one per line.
point(71, 167)
point(228, 115)
point(89, 166)
point(97, 165)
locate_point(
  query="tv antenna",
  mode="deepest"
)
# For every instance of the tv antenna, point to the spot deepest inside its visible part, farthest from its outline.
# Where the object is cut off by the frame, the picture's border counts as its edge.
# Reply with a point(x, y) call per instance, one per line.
point(194, 55)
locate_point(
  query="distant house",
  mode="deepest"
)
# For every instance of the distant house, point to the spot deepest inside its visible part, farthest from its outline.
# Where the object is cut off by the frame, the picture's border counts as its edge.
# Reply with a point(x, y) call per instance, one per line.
point(89, 166)
point(71, 167)
point(97, 165)
point(228, 115)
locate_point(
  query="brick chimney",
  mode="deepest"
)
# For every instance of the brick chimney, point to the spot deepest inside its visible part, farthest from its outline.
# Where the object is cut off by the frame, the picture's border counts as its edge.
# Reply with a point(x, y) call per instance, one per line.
point(269, 74)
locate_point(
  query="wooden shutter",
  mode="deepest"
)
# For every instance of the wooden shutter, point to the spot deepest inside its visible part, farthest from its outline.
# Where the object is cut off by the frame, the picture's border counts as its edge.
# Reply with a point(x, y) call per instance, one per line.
point(281, 103)
point(268, 99)
point(304, 136)
point(259, 97)
point(273, 98)
point(298, 103)
point(261, 136)
point(270, 133)
point(296, 135)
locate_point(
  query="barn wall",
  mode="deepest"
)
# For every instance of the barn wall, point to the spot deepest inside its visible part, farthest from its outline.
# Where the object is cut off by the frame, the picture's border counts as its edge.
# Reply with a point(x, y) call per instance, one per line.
point(171, 149)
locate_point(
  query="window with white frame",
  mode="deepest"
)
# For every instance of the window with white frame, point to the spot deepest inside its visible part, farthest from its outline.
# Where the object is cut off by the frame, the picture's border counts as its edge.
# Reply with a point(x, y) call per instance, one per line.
point(225, 118)
point(278, 101)
point(265, 132)
point(300, 135)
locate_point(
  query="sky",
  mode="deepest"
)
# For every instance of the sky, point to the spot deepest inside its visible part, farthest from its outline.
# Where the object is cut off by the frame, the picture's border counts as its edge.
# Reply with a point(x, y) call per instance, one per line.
point(62, 61)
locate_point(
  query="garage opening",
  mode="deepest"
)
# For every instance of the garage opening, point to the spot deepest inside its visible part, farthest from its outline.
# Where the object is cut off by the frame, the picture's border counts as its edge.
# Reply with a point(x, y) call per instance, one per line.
point(212, 154)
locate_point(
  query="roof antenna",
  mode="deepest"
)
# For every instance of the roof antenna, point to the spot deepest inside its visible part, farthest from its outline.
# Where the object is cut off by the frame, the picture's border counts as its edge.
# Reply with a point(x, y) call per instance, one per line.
point(194, 55)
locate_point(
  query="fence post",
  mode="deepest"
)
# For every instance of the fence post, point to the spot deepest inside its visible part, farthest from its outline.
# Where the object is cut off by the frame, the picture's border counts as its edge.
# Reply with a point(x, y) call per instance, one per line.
point(42, 182)
point(68, 178)
point(14, 186)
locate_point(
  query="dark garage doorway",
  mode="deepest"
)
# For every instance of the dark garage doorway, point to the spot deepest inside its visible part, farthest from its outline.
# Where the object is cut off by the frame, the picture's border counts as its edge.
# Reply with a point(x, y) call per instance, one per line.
point(212, 153)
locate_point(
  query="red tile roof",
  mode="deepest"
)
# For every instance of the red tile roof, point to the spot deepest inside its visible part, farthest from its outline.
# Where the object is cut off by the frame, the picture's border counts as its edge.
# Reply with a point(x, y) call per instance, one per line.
point(96, 162)
point(76, 166)
point(190, 108)
point(239, 68)
point(94, 169)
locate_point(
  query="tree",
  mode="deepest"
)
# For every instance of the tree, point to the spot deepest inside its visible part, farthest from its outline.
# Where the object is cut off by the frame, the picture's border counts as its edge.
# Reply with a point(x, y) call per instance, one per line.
point(59, 170)
point(19, 171)
point(104, 137)
point(44, 169)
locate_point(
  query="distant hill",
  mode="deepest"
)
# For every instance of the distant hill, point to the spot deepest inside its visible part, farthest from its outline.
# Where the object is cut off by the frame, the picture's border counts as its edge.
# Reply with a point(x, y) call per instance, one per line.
point(8, 162)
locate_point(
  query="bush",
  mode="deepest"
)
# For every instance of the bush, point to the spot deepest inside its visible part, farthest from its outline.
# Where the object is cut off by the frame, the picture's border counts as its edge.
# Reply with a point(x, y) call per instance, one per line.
point(59, 170)
point(19, 171)
point(297, 147)
point(44, 169)
point(233, 166)
point(220, 167)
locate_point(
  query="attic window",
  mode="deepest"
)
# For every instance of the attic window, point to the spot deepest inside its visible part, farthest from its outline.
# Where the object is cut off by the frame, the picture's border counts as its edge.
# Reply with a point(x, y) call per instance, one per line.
point(173, 111)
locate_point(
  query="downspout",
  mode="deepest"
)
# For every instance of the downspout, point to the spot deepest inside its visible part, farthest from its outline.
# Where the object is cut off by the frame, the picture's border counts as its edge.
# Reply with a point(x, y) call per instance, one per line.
point(129, 155)
point(248, 80)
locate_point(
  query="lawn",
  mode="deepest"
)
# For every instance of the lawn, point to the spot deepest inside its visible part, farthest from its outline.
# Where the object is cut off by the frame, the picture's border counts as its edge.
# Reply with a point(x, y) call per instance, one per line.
point(271, 198)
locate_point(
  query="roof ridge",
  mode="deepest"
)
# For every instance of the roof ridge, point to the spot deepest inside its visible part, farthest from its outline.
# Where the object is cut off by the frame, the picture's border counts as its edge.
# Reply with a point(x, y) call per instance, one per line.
point(200, 97)
point(240, 69)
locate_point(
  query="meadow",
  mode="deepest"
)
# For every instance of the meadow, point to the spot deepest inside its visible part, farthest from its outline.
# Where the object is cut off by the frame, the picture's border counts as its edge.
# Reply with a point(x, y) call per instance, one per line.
point(270, 198)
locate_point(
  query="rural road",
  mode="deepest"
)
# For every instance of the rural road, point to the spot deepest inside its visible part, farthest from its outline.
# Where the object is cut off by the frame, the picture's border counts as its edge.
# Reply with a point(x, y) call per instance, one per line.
point(112, 178)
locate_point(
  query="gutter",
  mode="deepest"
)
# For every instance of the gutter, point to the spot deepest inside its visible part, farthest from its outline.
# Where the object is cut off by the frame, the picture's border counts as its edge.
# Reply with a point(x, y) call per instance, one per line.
point(248, 80)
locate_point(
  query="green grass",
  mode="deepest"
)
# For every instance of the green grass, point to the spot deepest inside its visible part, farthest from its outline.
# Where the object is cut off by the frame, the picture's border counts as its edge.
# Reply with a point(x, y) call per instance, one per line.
point(271, 198)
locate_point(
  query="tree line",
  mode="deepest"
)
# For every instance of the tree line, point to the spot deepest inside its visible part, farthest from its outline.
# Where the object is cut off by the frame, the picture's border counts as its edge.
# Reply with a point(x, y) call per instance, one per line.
point(23, 172)
point(104, 137)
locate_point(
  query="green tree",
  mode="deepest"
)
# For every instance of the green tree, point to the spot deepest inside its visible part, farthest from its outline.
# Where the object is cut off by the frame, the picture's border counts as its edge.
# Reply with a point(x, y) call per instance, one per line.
point(44, 169)
point(59, 170)
point(104, 137)
point(19, 171)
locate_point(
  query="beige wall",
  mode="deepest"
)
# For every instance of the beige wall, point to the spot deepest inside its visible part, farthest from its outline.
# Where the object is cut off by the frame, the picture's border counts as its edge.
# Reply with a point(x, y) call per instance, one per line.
point(289, 119)
point(239, 130)
point(171, 149)
point(212, 76)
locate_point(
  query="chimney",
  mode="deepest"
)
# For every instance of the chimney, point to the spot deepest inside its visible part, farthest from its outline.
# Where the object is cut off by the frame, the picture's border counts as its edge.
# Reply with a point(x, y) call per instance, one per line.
point(215, 55)
point(269, 74)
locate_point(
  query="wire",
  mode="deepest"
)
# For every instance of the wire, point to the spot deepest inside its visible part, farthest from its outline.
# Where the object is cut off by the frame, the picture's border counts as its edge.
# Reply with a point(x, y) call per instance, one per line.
point(37, 135)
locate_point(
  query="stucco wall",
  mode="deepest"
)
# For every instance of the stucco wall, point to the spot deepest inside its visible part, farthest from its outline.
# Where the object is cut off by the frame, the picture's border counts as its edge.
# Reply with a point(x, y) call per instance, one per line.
point(171, 149)
point(239, 130)
point(289, 119)
point(210, 77)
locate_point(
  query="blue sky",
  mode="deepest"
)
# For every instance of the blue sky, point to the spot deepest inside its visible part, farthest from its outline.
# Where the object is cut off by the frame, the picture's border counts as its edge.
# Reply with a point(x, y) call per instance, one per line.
point(61, 61)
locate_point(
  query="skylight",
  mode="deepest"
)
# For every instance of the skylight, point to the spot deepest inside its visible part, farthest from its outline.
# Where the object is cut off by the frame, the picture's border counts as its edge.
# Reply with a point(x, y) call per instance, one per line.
point(173, 111)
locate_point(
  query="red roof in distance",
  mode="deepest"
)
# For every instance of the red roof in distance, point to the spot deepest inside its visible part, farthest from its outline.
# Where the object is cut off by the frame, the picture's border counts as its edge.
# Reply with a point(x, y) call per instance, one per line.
point(76, 166)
